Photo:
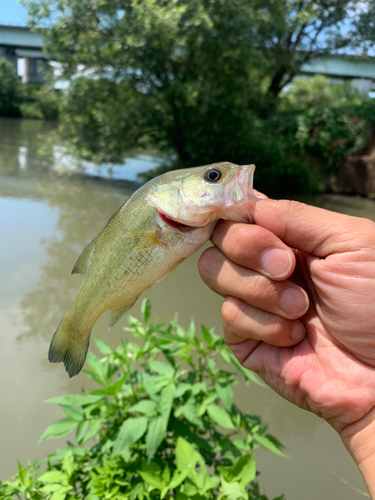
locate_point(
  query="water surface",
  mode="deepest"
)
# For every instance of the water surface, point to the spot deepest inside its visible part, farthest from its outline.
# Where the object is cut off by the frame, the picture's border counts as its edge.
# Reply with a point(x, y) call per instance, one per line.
point(45, 222)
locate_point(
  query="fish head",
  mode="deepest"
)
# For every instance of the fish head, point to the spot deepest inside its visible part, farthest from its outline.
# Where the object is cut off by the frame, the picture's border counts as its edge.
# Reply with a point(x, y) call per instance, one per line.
point(197, 196)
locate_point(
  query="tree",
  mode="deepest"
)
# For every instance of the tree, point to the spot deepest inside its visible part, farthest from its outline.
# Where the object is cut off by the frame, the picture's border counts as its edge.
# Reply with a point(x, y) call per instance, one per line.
point(9, 92)
point(190, 76)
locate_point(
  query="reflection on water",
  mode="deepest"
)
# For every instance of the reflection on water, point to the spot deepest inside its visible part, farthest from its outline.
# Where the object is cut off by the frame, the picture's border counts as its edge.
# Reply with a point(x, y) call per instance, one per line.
point(26, 148)
point(45, 222)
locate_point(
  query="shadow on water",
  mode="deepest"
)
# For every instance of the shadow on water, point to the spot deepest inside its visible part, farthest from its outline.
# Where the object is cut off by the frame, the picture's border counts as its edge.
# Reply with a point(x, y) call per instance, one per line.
point(47, 221)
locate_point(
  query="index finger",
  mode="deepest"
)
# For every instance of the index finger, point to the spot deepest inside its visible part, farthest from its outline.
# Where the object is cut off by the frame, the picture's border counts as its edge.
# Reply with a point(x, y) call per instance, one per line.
point(313, 230)
point(255, 248)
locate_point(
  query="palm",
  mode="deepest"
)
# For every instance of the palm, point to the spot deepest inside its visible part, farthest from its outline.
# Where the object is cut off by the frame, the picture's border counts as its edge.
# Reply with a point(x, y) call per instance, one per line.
point(340, 326)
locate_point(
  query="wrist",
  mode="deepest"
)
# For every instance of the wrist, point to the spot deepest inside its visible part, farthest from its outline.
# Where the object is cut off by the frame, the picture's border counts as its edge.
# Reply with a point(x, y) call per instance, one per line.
point(359, 440)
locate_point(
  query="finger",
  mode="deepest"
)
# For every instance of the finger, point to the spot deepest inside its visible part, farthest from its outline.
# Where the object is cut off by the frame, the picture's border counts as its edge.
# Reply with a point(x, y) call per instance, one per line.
point(310, 229)
point(285, 299)
point(254, 247)
point(242, 322)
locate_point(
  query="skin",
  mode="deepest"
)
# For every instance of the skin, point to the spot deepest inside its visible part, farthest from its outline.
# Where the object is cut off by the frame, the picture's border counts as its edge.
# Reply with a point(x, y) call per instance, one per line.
point(299, 310)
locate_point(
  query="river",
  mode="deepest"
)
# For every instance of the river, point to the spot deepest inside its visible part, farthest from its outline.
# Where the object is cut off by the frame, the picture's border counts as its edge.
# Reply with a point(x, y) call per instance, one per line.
point(46, 219)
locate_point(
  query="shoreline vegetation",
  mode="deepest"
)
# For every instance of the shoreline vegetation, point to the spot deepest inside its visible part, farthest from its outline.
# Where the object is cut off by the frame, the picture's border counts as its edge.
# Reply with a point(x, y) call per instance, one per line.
point(159, 423)
point(300, 148)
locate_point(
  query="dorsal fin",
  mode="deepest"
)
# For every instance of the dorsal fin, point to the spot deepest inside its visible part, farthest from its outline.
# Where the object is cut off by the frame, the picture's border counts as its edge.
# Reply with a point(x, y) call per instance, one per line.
point(80, 266)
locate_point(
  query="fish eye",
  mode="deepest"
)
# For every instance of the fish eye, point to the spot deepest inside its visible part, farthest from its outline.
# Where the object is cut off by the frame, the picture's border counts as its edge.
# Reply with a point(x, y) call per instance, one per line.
point(212, 175)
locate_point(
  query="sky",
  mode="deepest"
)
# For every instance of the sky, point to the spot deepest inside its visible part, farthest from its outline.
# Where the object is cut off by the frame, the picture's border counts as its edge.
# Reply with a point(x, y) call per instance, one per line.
point(11, 12)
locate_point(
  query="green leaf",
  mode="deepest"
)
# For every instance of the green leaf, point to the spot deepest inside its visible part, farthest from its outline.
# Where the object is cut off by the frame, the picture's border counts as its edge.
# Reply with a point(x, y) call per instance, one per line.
point(182, 388)
point(155, 435)
point(186, 456)
point(146, 310)
point(161, 368)
point(178, 477)
point(225, 354)
point(198, 387)
point(68, 464)
point(190, 333)
point(225, 393)
point(103, 347)
point(190, 412)
point(166, 475)
point(130, 431)
point(166, 401)
point(73, 412)
point(207, 336)
point(248, 374)
point(149, 383)
point(269, 445)
point(146, 406)
point(220, 416)
point(243, 471)
point(112, 390)
point(53, 476)
point(94, 429)
point(232, 491)
point(152, 478)
point(97, 368)
point(58, 429)
point(75, 400)
point(23, 475)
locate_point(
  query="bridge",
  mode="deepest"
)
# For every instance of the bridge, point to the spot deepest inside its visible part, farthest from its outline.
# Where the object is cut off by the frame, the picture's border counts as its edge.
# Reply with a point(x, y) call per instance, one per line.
point(360, 71)
point(19, 42)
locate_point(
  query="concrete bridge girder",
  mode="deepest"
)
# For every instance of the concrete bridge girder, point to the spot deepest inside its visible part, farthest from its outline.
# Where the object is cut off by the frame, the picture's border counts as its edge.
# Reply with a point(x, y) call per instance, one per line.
point(18, 42)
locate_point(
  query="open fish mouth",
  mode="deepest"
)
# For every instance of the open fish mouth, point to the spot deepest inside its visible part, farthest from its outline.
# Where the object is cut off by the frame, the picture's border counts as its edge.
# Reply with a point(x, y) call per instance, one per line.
point(179, 226)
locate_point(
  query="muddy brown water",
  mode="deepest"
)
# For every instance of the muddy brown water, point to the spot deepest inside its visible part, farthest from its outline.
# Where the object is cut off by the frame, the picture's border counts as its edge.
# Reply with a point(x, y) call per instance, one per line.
point(45, 221)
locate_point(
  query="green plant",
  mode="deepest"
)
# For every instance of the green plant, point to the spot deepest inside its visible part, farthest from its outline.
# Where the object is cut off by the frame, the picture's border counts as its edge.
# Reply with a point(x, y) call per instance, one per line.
point(163, 421)
point(9, 90)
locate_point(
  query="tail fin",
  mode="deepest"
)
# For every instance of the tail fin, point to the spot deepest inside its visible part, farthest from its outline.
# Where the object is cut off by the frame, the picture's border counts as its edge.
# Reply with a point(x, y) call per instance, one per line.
point(69, 347)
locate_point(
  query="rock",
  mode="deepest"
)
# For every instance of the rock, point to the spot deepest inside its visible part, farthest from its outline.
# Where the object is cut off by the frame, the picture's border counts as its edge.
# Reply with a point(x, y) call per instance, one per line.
point(357, 176)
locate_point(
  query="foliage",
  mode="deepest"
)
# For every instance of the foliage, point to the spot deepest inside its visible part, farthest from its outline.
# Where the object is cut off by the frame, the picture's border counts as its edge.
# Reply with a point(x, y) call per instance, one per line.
point(192, 77)
point(28, 100)
point(39, 101)
point(9, 91)
point(305, 93)
point(163, 421)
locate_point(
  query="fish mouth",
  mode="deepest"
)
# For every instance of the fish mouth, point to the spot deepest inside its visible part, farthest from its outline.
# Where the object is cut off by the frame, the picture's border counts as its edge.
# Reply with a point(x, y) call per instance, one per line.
point(179, 226)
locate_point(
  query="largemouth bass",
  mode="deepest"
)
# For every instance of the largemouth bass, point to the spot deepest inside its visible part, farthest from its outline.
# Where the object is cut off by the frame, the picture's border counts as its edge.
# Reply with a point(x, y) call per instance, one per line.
point(161, 224)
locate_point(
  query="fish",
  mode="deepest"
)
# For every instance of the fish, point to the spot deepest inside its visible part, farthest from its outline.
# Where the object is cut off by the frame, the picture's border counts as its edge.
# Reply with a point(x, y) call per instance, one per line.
point(152, 232)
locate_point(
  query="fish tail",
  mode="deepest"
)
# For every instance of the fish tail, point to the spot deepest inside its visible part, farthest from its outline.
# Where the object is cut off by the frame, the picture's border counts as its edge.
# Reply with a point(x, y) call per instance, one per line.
point(70, 347)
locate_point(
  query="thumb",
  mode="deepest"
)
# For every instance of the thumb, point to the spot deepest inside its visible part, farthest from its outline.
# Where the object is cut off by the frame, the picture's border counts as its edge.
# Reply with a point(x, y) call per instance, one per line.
point(310, 229)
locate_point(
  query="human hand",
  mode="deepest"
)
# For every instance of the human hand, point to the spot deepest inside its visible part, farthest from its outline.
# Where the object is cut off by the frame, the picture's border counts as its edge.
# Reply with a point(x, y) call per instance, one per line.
point(300, 311)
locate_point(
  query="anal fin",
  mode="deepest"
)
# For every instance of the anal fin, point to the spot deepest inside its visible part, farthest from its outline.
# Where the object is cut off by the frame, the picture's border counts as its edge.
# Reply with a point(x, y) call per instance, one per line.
point(116, 314)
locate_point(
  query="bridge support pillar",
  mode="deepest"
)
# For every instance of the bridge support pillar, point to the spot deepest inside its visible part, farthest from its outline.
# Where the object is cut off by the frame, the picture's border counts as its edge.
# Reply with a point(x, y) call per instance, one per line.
point(10, 55)
point(34, 70)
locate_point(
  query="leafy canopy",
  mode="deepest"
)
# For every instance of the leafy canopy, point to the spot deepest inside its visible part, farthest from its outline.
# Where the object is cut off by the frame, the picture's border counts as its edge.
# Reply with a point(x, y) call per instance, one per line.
point(160, 423)
point(187, 76)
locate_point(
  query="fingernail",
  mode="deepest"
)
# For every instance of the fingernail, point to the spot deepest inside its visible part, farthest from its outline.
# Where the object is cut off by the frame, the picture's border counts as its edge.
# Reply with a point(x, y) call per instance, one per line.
point(276, 262)
point(294, 301)
point(298, 331)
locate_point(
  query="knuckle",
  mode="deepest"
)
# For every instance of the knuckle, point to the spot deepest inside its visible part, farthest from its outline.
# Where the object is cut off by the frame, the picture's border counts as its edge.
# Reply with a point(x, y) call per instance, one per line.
point(230, 311)
point(239, 242)
point(279, 331)
point(258, 287)
point(208, 262)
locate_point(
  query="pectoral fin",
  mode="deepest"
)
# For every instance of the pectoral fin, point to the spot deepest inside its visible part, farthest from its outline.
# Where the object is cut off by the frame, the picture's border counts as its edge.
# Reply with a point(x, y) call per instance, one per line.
point(81, 264)
point(116, 314)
